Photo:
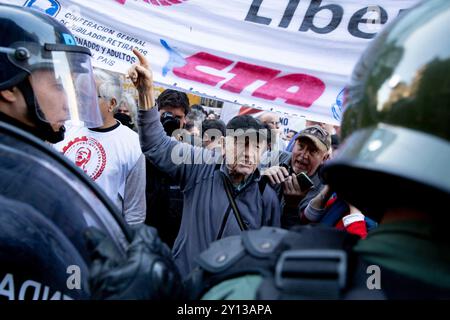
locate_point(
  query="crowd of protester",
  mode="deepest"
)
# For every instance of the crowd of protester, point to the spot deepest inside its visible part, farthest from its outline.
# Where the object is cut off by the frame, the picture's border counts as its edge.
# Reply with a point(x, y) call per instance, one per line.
point(203, 183)
point(187, 202)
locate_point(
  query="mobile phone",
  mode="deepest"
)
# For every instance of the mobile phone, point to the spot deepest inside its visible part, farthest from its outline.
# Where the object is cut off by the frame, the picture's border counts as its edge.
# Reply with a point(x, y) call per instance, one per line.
point(304, 181)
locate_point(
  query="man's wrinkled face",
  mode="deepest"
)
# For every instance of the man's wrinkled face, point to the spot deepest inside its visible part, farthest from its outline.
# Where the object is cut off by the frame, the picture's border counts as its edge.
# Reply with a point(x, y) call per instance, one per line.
point(243, 153)
point(307, 157)
point(51, 96)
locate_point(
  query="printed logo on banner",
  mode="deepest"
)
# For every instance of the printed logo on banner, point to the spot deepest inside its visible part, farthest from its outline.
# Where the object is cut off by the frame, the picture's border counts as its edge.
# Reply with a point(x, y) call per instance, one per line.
point(175, 58)
point(50, 7)
point(298, 89)
point(337, 107)
point(164, 3)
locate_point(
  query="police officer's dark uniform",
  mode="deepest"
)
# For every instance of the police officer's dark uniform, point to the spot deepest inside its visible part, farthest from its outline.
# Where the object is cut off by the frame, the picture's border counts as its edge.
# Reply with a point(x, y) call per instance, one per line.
point(48, 206)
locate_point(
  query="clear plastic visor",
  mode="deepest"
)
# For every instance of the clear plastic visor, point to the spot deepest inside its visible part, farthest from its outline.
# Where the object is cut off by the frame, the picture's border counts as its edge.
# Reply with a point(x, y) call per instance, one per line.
point(63, 85)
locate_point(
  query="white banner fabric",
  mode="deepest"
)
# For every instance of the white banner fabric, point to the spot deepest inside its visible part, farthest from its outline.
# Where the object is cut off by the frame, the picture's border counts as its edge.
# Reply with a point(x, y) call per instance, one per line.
point(288, 56)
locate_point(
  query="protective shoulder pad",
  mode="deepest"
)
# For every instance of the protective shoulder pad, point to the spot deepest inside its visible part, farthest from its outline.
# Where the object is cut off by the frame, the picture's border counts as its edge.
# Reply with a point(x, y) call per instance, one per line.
point(221, 254)
point(263, 242)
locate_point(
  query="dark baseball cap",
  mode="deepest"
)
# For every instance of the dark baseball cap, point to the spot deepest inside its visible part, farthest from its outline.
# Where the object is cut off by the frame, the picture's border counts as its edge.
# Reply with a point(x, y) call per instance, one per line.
point(320, 137)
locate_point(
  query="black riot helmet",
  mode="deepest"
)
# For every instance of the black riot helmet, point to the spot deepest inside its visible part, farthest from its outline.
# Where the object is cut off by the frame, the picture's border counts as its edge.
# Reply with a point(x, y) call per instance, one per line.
point(396, 152)
point(40, 57)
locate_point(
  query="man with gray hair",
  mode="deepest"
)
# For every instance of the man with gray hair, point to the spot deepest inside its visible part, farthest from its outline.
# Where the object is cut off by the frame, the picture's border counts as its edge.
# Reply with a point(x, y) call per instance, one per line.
point(114, 160)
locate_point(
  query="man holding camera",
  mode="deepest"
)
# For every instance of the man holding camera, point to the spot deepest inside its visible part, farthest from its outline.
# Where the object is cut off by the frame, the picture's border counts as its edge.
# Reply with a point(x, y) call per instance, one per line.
point(164, 197)
point(297, 176)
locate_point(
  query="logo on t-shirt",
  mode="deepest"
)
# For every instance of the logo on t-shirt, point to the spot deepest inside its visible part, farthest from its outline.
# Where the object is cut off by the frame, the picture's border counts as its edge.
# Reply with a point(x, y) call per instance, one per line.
point(87, 154)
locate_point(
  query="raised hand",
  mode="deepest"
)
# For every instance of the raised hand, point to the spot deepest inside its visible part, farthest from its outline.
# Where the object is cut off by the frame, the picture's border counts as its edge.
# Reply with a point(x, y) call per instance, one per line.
point(142, 77)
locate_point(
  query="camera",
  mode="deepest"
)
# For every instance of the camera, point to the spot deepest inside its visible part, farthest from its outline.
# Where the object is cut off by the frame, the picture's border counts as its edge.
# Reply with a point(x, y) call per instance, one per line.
point(169, 122)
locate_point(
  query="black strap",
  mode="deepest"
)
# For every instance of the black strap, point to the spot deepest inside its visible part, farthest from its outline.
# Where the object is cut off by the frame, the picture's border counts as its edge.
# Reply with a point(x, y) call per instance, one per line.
point(261, 186)
point(224, 222)
point(237, 214)
point(312, 274)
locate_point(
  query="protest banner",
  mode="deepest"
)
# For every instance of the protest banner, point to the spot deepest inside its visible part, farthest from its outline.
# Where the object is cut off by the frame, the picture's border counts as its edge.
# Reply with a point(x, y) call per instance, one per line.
point(289, 56)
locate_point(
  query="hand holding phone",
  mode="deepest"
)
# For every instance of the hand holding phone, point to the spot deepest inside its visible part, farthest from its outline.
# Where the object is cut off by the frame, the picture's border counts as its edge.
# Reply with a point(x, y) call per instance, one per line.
point(296, 186)
point(304, 181)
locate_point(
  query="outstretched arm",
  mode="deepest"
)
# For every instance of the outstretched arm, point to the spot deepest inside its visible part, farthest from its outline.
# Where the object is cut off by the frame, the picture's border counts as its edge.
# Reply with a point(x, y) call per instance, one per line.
point(170, 156)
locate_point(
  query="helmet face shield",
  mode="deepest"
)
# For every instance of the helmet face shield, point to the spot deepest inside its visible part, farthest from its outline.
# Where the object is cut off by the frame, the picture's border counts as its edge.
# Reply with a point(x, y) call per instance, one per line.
point(62, 81)
point(395, 127)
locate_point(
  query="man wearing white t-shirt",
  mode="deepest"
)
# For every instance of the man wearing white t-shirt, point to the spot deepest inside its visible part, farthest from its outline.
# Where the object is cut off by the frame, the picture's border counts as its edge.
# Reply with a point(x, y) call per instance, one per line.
point(111, 155)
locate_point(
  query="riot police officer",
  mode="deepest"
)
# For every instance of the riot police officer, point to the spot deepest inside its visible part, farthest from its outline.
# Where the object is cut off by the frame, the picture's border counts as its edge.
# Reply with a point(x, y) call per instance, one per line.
point(46, 78)
point(60, 237)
